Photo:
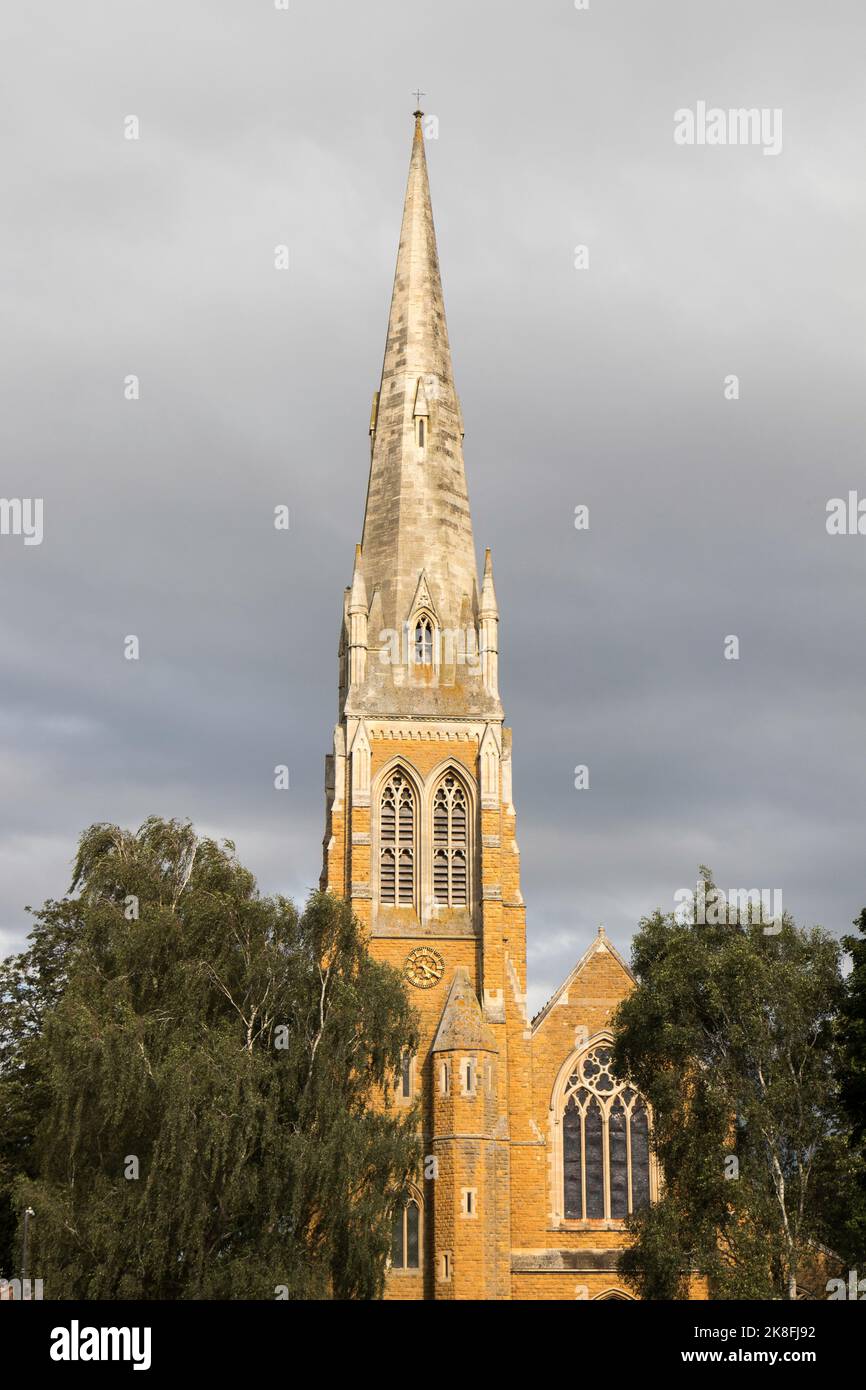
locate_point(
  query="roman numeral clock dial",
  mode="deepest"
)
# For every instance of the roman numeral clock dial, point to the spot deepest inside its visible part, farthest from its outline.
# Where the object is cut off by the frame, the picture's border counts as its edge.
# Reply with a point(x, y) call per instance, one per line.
point(424, 967)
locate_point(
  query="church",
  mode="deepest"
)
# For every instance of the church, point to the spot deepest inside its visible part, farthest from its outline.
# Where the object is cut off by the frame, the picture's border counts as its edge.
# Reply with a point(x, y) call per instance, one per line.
point(535, 1152)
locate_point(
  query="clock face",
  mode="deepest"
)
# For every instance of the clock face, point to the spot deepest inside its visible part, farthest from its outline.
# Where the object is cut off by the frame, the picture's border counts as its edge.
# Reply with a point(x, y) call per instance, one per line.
point(424, 967)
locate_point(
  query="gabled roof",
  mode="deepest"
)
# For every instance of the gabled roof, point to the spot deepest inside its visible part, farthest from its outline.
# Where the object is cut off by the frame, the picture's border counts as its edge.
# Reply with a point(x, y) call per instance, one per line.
point(421, 406)
point(462, 1024)
point(602, 943)
point(423, 599)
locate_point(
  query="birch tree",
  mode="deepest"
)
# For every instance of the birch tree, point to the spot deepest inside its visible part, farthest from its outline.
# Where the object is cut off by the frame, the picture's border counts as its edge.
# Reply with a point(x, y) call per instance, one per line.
point(212, 1082)
point(730, 1034)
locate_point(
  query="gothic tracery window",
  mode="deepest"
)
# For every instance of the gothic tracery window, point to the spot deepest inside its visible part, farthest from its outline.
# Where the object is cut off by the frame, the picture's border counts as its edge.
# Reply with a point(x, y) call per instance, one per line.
point(450, 844)
point(397, 843)
point(605, 1142)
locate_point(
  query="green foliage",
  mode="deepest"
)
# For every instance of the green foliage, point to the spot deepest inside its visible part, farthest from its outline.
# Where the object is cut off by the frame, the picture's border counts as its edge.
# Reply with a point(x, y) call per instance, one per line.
point(849, 1210)
point(853, 1033)
point(30, 985)
point(730, 1035)
point(237, 1054)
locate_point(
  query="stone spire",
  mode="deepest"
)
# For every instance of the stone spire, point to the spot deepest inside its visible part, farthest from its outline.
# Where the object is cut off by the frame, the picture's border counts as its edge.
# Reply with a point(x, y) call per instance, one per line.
point(417, 518)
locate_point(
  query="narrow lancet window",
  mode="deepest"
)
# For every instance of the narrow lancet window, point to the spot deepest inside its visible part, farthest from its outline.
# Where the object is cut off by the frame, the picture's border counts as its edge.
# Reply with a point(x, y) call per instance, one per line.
point(424, 641)
point(397, 843)
point(450, 844)
point(406, 1236)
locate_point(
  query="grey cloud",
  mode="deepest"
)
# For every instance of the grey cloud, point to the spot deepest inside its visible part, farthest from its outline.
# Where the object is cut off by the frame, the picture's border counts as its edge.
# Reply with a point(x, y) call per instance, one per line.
point(602, 386)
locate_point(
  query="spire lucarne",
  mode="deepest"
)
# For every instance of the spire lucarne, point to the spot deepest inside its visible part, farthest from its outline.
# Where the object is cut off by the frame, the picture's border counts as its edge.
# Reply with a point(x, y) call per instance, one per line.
point(417, 526)
point(420, 829)
point(535, 1165)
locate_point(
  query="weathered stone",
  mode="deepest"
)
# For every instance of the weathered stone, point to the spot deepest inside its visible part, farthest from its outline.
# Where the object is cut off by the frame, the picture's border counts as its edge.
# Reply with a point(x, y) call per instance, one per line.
point(488, 1078)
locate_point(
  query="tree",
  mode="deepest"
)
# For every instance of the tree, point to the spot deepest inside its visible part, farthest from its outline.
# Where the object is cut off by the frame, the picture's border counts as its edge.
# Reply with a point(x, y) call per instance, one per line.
point(30, 985)
point(848, 1203)
point(853, 1033)
point(729, 1034)
point(213, 1113)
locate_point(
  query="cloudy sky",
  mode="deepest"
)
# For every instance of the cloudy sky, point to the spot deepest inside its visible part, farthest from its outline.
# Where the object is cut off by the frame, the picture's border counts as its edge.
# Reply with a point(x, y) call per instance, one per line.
point(602, 386)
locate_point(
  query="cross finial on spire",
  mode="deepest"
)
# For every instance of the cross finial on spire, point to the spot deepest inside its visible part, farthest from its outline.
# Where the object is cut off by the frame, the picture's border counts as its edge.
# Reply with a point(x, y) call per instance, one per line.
point(418, 95)
point(418, 514)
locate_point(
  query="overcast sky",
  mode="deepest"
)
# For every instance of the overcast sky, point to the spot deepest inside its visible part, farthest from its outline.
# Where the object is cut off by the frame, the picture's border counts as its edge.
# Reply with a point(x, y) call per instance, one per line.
point(602, 386)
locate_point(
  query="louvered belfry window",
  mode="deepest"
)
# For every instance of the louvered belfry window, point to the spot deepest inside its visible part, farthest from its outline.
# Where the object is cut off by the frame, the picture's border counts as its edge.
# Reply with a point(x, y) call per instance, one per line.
point(397, 843)
point(450, 844)
point(605, 1143)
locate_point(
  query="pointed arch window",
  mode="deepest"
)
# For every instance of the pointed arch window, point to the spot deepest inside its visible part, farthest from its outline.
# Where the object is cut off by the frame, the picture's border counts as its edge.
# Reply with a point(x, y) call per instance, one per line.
point(424, 632)
point(450, 844)
point(406, 1236)
point(397, 843)
point(605, 1143)
point(421, 415)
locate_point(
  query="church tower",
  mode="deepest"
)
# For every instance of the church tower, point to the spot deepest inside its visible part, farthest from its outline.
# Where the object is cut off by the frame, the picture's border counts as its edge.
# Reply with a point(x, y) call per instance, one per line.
point(420, 825)
point(536, 1154)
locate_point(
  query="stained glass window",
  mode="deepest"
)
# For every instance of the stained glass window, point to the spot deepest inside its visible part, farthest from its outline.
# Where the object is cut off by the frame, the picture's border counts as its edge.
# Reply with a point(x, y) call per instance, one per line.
point(572, 1145)
point(406, 1236)
point(605, 1142)
point(406, 1076)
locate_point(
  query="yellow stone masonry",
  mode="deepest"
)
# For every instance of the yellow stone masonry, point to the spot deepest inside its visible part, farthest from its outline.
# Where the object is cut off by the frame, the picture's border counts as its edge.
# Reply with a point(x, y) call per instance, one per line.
point(421, 839)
